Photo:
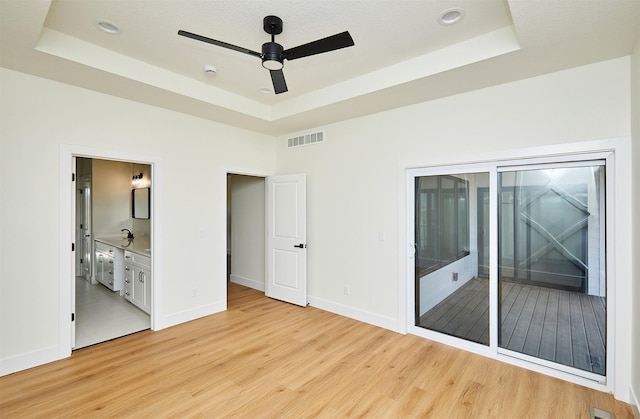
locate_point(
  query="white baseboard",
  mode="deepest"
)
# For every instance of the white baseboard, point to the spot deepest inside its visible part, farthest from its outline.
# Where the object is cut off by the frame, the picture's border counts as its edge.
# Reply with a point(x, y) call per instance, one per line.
point(190, 314)
point(356, 314)
point(346, 311)
point(251, 283)
point(44, 356)
point(29, 360)
point(635, 404)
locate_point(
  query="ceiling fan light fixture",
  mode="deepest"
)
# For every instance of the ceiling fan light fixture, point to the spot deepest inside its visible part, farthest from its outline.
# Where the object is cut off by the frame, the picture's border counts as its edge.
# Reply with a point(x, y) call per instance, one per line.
point(451, 16)
point(272, 56)
point(272, 64)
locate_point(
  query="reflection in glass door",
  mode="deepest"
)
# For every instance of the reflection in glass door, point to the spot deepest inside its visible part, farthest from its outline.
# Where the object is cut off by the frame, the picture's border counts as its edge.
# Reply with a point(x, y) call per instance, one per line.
point(551, 273)
point(451, 296)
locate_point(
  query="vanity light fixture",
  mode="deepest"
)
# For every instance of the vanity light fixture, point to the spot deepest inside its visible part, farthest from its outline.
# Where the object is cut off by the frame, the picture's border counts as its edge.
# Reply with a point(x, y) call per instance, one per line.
point(137, 179)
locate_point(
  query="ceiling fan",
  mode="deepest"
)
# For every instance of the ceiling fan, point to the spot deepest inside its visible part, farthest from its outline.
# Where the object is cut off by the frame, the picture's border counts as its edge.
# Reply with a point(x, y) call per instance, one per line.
point(273, 54)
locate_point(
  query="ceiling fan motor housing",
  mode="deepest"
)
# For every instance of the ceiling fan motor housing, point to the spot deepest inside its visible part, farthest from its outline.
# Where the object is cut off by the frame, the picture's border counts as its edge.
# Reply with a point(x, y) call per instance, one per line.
point(272, 57)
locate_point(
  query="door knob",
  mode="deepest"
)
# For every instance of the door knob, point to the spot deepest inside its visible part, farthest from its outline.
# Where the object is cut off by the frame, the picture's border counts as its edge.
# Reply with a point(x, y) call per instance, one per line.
point(300, 246)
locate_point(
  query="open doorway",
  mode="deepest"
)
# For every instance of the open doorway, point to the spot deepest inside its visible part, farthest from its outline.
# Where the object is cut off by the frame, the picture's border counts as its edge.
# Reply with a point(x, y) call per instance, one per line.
point(246, 230)
point(112, 281)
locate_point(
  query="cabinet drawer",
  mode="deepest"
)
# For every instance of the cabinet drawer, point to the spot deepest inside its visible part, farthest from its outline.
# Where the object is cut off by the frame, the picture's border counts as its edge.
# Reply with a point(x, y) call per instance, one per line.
point(130, 257)
point(104, 248)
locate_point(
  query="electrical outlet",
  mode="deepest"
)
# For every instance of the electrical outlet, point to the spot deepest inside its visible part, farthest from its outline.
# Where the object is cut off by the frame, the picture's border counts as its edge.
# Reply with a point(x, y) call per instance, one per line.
point(347, 290)
point(194, 292)
point(454, 276)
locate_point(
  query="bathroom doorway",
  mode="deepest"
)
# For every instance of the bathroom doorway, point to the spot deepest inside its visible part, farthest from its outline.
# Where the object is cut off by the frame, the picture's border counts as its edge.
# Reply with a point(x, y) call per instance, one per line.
point(104, 210)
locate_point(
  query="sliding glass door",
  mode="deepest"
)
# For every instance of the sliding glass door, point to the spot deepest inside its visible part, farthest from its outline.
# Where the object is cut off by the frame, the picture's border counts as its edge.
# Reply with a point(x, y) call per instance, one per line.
point(551, 275)
point(451, 297)
point(513, 259)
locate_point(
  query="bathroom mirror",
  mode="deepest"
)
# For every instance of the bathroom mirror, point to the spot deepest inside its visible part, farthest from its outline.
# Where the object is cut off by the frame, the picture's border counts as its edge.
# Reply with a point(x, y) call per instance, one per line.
point(141, 203)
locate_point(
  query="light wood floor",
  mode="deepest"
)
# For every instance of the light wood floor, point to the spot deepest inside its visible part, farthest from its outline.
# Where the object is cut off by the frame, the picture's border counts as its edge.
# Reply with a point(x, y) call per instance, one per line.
point(264, 358)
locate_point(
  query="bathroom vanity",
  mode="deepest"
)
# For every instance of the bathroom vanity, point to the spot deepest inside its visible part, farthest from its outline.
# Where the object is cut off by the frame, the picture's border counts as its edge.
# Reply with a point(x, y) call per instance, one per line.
point(124, 265)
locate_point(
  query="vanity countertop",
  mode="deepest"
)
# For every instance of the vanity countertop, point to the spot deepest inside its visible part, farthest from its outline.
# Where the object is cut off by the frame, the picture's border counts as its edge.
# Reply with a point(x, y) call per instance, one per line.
point(141, 246)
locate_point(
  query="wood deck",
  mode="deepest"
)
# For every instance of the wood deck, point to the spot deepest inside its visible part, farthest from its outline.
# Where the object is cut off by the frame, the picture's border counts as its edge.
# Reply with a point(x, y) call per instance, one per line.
point(560, 326)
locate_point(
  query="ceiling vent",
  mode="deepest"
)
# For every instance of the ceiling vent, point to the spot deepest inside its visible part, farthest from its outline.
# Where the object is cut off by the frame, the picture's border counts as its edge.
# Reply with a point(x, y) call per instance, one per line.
point(306, 139)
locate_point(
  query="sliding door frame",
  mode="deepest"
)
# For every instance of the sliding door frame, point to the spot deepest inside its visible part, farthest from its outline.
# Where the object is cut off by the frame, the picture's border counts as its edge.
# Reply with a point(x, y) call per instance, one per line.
point(412, 174)
point(600, 159)
point(606, 383)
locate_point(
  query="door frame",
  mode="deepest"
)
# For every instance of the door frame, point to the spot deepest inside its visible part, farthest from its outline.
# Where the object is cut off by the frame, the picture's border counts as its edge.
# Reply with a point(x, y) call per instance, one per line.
point(231, 171)
point(242, 171)
point(618, 256)
point(83, 183)
point(67, 236)
point(254, 283)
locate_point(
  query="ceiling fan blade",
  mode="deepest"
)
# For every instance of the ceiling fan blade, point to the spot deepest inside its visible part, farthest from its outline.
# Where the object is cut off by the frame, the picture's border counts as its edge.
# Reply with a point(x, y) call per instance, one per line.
point(218, 43)
point(279, 84)
point(330, 43)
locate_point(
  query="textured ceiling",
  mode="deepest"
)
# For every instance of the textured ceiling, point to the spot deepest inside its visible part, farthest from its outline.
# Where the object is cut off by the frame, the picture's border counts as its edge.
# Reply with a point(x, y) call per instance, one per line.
point(402, 55)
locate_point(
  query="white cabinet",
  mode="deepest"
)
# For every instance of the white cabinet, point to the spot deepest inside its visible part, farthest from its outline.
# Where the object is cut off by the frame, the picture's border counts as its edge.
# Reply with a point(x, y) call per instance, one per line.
point(128, 276)
point(109, 266)
point(137, 287)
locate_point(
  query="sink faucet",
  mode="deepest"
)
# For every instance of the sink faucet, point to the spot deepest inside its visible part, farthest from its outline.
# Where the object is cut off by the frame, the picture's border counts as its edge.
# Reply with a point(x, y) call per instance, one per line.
point(129, 233)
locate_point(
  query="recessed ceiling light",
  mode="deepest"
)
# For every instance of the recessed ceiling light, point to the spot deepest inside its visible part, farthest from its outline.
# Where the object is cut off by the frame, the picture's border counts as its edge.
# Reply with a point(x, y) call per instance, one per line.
point(265, 90)
point(210, 69)
point(107, 26)
point(451, 16)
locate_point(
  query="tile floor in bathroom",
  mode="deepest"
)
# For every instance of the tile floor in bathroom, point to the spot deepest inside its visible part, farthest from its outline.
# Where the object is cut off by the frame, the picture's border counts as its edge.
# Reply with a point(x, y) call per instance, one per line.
point(102, 315)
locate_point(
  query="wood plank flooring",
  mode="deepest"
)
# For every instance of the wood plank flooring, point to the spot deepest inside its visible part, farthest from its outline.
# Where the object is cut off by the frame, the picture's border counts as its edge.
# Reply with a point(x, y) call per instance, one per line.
point(264, 358)
point(560, 326)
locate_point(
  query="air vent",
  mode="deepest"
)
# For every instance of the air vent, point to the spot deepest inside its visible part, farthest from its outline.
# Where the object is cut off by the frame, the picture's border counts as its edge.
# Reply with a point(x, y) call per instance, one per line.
point(306, 139)
point(597, 413)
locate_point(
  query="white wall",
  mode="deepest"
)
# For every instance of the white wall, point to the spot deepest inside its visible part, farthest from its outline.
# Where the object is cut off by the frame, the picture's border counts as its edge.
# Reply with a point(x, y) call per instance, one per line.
point(248, 231)
point(110, 197)
point(635, 129)
point(352, 178)
point(356, 178)
point(355, 183)
point(139, 226)
point(38, 117)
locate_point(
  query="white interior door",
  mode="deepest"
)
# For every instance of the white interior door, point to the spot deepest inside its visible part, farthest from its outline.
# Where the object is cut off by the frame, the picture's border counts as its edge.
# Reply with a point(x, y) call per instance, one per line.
point(286, 239)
